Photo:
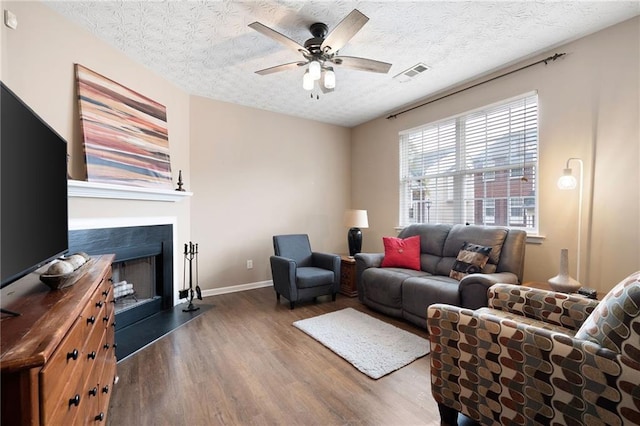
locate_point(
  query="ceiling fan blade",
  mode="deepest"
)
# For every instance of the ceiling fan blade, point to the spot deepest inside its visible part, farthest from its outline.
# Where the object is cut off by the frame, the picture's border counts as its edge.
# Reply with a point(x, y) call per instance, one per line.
point(362, 64)
point(344, 31)
point(278, 68)
point(280, 38)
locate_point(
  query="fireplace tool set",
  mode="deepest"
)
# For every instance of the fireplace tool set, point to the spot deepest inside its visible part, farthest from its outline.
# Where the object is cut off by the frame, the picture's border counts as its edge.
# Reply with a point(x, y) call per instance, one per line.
point(190, 254)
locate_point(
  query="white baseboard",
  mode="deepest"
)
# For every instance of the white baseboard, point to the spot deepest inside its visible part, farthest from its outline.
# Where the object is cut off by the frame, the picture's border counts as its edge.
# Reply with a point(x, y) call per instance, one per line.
point(236, 288)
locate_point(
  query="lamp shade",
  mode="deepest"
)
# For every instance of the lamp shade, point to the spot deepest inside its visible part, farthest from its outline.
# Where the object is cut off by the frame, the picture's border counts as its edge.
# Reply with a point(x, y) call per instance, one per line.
point(307, 81)
point(329, 79)
point(356, 219)
point(567, 180)
point(314, 70)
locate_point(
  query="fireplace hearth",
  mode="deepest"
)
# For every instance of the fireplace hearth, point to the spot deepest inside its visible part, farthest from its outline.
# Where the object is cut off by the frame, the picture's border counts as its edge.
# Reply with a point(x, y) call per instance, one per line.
point(143, 258)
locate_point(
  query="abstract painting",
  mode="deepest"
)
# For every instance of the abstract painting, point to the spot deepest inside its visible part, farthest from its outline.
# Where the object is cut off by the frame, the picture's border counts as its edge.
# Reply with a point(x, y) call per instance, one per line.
point(125, 134)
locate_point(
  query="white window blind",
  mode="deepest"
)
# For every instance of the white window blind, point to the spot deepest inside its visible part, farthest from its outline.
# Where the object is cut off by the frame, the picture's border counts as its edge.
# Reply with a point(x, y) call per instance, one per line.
point(477, 168)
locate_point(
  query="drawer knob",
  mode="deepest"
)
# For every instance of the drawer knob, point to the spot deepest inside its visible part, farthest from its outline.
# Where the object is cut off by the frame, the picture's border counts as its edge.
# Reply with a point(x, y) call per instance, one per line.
point(105, 389)
point(114, 324)
point(106, 346)
point(73, 354)
point(99, 304)
point(94, 391)
point(91, 320)
point(92, 355)
point(105, 319)
point(115, 345)
point(74, 401)
point(105, 293)
point(110, 279)
point(99, 417)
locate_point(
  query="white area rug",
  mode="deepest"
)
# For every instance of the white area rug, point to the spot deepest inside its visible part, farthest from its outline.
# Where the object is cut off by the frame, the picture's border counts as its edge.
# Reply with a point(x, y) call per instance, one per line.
point(372, 346)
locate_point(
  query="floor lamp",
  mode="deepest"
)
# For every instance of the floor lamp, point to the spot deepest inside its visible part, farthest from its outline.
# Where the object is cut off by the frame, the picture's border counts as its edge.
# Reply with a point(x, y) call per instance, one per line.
point(568, 181)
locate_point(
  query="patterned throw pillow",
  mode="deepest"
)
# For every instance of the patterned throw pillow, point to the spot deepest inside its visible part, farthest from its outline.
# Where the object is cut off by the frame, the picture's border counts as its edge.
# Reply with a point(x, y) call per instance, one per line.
point(615, 322)
point(401, 253)
point(471, 259)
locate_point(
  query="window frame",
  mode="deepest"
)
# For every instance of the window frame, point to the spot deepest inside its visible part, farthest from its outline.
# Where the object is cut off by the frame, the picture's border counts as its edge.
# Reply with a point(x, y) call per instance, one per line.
point(456, 157)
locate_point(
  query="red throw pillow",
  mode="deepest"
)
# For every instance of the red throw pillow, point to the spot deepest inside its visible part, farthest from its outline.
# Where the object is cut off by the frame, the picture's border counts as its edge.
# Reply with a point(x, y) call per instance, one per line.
point(401, 253)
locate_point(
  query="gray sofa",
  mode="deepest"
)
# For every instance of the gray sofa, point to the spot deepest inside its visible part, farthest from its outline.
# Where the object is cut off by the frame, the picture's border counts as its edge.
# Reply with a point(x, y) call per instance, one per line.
point(407, 293)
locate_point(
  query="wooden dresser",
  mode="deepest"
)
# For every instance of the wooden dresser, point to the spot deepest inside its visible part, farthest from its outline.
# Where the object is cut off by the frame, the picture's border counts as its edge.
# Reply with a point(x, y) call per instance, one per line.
point(58, 358)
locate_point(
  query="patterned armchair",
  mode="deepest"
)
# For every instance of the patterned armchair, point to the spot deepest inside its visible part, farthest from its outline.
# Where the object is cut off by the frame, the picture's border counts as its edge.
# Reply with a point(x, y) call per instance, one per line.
point(537, 357)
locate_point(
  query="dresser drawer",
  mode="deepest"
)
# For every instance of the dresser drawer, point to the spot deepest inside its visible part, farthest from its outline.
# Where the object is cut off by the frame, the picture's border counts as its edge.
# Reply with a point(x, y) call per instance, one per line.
point(106, 388)
point(92, 387)
point(97, 308)
point(65, 366)
point(66, 407)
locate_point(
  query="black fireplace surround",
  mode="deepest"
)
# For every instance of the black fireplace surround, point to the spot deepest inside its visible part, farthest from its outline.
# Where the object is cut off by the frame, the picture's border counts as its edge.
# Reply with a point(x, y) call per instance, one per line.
point(128, 243)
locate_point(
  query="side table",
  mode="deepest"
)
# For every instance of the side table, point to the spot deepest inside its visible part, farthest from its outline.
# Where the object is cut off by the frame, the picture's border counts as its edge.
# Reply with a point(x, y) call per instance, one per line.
point(348, 285)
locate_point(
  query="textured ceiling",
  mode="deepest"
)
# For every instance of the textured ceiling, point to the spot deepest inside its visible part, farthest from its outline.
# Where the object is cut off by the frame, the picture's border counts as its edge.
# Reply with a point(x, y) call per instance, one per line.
point(207, 49)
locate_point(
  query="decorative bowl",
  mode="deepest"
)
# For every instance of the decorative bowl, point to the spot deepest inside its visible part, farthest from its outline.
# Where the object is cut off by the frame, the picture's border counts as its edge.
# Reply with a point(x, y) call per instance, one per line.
point(57, 282)
point(60, 281)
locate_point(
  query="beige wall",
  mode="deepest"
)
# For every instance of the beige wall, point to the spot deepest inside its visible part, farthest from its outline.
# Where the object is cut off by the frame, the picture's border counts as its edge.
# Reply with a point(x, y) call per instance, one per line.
point(38, 65)
point(257, 174)
point(588, 103)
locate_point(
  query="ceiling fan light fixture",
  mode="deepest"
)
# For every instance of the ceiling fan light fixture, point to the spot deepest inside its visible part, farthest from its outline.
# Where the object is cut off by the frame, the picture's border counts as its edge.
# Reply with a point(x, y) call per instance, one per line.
point(314, 70)
point(307, 81)
point(329, 79)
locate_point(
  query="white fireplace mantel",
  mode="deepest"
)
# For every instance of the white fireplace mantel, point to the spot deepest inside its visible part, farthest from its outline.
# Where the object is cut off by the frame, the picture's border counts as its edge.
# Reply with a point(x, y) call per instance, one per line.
point(79, 188)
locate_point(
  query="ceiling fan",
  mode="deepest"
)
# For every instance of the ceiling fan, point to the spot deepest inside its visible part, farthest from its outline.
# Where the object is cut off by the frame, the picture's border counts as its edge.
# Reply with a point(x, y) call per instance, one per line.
point(321, 51)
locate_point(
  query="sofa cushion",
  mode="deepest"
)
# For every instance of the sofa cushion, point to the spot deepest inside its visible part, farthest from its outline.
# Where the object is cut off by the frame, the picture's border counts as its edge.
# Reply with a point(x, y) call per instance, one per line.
point(420, 292)
point(432, 237)
point(616, 318)
point(470, 260)
point(384, 285)
point(401, 252)
point(481, 235)
point(310, 276)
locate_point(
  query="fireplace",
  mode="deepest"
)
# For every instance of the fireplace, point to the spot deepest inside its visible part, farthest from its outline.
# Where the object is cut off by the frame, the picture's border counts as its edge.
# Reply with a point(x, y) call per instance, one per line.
point(142, 268)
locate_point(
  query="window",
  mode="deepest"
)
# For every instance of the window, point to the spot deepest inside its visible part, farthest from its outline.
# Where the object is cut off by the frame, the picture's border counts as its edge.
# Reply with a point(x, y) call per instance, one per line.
point(478, 168)
point(489, 211)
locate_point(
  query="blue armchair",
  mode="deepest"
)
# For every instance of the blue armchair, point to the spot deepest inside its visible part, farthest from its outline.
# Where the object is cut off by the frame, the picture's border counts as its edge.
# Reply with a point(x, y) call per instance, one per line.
point(298, 273)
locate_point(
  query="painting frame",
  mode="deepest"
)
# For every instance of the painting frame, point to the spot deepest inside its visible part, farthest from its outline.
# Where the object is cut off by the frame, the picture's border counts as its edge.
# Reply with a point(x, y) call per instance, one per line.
point(125, 134)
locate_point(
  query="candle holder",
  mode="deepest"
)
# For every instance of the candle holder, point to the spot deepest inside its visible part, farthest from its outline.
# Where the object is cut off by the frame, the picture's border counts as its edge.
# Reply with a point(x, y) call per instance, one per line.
point(180, 183)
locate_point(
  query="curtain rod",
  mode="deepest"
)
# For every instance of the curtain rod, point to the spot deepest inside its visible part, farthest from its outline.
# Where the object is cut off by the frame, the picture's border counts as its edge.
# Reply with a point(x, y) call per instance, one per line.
point(545, 61)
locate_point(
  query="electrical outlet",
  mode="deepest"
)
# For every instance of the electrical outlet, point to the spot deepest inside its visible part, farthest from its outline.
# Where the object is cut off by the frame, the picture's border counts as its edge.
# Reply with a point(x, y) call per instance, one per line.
point(249, 264)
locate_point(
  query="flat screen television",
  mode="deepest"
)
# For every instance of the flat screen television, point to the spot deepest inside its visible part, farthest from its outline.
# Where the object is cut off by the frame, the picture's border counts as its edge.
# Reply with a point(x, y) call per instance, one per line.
point(33, 179)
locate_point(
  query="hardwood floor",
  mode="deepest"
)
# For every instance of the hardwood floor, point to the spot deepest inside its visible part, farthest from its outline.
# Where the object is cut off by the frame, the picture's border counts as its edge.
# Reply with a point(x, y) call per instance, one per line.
point(243, 363)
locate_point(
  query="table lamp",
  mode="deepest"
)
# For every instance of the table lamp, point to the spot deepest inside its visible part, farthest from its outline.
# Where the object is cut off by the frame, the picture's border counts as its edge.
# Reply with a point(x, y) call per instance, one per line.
point(355, 219)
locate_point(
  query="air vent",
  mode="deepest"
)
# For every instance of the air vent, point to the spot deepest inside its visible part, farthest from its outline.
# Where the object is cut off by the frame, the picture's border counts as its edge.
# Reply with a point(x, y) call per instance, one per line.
point(411, 73)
